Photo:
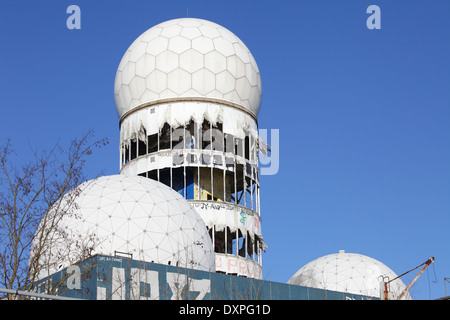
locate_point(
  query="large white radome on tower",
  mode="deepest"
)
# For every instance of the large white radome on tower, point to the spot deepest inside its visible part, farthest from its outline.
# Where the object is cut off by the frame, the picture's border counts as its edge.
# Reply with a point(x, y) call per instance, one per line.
point(187, 58)
point(127, 215)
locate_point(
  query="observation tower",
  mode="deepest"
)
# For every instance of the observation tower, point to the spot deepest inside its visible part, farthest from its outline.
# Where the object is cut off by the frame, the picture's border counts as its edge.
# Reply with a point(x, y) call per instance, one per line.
point(188, 93)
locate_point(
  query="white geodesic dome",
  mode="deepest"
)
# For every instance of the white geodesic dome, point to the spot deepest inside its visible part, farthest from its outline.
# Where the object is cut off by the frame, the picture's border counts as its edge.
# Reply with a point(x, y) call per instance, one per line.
point(187, 58)
point(348, 272)
point(127, 215)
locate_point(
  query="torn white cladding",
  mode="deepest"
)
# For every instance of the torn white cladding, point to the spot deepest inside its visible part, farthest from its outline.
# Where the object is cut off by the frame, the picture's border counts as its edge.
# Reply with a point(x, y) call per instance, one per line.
point(178, 114)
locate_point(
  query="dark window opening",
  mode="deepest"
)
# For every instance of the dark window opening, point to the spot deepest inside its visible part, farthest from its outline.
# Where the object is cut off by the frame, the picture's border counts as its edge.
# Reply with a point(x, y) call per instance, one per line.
point(127, 153)
point(164, 176)
point(206, 135)
point(152, 143)
point(142, 148)
point(190, 136)
point(217, 137)
point(178, 138)
point(239, 194)
point(247, 147)
point(178, 180)
point(133, 149)
point(164, 138)
point(229, 142)
point(238, 148)
point(153, 175)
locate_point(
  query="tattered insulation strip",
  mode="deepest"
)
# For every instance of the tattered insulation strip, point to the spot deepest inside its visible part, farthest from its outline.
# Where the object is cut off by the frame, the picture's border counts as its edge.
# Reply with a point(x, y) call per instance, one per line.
point(151, 120)
point(221, 215)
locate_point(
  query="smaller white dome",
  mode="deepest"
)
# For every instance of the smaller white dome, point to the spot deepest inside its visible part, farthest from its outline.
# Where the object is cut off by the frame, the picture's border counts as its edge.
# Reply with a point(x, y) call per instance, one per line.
point(348, 272)
point(128, 215)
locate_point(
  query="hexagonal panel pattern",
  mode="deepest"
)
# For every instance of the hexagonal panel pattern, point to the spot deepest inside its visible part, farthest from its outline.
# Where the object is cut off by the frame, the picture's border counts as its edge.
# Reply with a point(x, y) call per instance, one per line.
point(348, 272)
point(132, 215)
point(187, 58)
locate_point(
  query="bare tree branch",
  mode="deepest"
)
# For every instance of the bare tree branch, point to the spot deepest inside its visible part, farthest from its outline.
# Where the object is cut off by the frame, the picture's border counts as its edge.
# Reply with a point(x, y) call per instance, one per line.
point(31, 204)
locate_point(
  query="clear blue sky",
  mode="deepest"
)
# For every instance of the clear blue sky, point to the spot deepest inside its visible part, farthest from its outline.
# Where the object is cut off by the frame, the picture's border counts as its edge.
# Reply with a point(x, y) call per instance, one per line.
point(364, 115)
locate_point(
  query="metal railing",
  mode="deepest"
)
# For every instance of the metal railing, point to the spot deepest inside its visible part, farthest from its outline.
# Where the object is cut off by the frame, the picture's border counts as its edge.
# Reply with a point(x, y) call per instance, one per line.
point(34, 294)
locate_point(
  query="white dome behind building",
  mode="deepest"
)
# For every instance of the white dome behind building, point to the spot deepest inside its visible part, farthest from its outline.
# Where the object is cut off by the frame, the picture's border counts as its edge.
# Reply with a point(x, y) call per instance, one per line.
point(191, 59)
point(348, 272)
point(128, 215)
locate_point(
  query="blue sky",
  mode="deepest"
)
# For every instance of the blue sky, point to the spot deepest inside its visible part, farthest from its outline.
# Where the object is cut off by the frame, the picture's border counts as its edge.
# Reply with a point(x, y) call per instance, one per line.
point(363, 114)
